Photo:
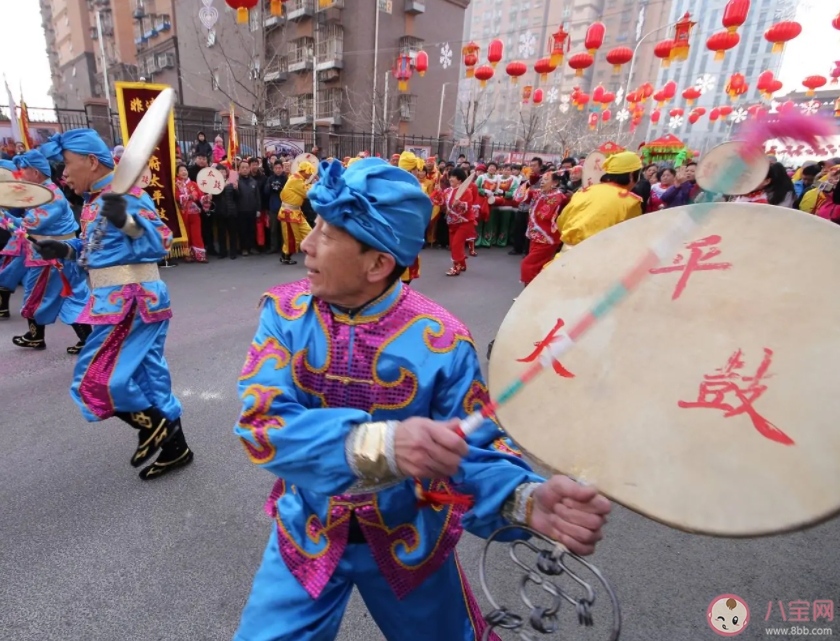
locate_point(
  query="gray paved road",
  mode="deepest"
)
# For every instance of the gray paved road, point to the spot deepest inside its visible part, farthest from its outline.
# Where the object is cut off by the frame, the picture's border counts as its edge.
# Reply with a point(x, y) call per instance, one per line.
point(88, 552)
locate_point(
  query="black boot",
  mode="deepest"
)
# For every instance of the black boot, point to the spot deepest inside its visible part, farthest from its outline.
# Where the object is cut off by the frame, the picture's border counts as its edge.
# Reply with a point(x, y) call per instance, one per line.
point(154, 430)
point(33, 339)
point(286, 259)
point(174, 454)
point(5, 294)
point(82, 331)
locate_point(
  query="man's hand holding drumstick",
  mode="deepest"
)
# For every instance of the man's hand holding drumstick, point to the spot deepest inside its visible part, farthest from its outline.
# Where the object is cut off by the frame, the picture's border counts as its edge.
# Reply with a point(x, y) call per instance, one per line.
point(562, 509)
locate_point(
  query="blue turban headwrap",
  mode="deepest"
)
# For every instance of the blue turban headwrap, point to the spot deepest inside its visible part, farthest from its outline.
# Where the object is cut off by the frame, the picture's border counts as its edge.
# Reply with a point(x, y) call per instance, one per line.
point(378, 204)
point(80, 141)
point(34, 159)
point(8, 164)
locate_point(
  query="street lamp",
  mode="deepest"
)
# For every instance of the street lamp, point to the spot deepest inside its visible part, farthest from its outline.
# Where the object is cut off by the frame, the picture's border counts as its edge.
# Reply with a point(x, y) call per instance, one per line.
point(633, 66)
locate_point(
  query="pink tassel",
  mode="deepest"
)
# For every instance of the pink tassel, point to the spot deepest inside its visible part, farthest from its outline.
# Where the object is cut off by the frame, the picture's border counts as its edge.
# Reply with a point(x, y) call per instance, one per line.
point(792, 125)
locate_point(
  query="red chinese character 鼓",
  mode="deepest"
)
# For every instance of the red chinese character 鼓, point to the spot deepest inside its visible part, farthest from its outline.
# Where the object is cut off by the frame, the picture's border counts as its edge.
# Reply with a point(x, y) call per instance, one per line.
point(798, 610)
point(824, 610)
point(715, 387)
point(694, 262)
point(217, 185)
point(770, 607)
point(543, 344)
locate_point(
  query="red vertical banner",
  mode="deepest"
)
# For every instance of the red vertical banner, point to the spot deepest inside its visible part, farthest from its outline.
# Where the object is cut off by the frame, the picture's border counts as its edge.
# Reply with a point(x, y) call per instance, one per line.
point(133, 98)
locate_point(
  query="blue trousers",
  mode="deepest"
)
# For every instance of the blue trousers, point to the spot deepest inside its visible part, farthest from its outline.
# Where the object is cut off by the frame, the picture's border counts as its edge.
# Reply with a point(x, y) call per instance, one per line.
point(12, 271)
point(122, 369)
point(42, 299)
point(279, 609)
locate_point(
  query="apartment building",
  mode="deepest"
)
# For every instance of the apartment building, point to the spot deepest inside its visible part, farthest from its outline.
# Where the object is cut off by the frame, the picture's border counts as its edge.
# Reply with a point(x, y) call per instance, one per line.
point(325, 65)
point(525, 27)
point(131, 39)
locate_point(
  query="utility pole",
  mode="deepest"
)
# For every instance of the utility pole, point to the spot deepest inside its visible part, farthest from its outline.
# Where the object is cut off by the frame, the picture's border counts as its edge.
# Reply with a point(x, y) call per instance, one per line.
point(102, 57)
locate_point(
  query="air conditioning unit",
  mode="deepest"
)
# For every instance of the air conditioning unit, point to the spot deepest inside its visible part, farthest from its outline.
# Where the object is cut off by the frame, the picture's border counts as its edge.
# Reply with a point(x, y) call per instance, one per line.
point(165, 60)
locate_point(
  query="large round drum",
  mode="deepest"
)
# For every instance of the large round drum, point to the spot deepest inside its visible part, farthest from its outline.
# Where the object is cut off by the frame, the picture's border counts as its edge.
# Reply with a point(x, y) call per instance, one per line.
point(708, 399)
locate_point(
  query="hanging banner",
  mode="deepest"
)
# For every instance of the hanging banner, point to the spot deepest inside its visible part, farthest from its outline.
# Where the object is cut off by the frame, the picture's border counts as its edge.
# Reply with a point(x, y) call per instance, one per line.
point(133, 98)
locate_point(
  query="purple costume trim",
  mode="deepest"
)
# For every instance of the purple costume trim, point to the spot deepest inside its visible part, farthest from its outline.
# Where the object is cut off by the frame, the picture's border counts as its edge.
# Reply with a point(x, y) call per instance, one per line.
point(94, 388)
point(125, 296)
point(36, 297)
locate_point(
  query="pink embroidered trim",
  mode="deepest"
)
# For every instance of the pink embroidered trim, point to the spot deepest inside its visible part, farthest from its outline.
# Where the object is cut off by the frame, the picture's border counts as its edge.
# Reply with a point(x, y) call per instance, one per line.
point(36, 296)
point(125, 296)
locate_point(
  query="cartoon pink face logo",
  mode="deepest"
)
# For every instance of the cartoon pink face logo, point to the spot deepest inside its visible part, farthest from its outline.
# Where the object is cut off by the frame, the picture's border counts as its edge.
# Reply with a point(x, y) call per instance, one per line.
point(728, 615)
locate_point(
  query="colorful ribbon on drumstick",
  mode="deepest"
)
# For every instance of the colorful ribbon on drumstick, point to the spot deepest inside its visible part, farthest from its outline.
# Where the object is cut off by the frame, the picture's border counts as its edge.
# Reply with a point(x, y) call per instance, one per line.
point(790, 126)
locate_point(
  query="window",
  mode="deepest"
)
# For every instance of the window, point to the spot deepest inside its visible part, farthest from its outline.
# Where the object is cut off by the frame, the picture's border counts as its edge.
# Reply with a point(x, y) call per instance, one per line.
point(536, 20)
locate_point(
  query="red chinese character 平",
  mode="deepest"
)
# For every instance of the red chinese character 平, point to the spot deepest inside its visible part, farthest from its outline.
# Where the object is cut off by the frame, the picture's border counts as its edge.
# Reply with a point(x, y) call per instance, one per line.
point(694, 263)
point(715, 388)
point(545, 343)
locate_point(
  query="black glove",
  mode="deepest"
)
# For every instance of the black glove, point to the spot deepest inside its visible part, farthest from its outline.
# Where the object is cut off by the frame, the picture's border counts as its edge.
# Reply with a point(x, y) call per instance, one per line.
point(51, 249)
point(114, 209)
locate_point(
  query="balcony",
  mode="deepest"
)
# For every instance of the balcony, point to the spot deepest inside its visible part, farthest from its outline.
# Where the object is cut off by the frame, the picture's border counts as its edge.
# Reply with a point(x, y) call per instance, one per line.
point(278, 72)
point(299, 9)
point(300, 112)
point(301, 54)
point(415, 6)
point(162, 22)
point(330, 47)
point(411, 45)
point(407, 107)
point(281, 119)
point(325, 5)
point(329, 107)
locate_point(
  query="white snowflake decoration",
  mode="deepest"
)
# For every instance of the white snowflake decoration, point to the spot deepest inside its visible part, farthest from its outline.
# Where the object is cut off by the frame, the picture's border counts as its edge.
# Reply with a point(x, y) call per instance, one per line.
point(739, 115)
point(446, 56)
point(553, 94)
point(527, 45)
point(623, 115)
point(774, 106)
point(705, 83)
point(811, 107)
point(676, 122)
point(566, 98)
point(619, 96)
point(564, 108)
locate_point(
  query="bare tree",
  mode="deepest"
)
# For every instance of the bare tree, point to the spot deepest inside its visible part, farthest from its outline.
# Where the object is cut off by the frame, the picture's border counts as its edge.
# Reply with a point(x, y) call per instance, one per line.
point(390, 109)
point(474, 112)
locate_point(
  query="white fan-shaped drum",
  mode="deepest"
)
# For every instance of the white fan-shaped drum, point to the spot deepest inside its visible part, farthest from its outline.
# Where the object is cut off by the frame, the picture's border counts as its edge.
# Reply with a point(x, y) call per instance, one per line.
point(746, 180)
point(6, 174)
point(19, 194)
point(593, 168)
point(708, 399)
point(210, 180)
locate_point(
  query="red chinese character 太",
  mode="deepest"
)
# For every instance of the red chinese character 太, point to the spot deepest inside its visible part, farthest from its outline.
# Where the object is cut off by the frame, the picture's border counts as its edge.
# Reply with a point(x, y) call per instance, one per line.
point(715, 387)
point(542, 345)
point(770, 607)
point(694, 263)
point(799, 610)
point(824, 610)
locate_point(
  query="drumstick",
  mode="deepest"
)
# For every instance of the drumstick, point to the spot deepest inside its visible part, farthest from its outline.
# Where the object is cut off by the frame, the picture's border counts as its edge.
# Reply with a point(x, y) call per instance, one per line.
point(787, 126)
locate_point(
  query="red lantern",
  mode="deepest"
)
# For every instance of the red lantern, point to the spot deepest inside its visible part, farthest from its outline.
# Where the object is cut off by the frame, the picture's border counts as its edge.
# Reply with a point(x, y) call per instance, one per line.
point(764, 80)
point(735, 14)
point(682, 38)
point(691, 94)
point(421, 63)
point(633, 97)
point(646, 91)
point(558, 41)
point(582, 99)
point(242, 7)
point(722, 42)
point(693, 118)
point(714, 114)
point(655, 116)
point(470, 53)
point(737, 86)
point(699, 110)
point(836, 22)
point(663, 50)
point(484, 73)
point(595, 37)
point(593, 121)
point(787, 107)
point(676, 112)
point(774, 86)
point(598, 94)
point(581, 61)
point(725, 111)
point(813, 83)
point(544, 67)
point(526, 94)
point(606, 115)
point(607, 98)
point(660, 98)
point(538, 96)
point(495, 51)
point(670, 89)
point(402, 70)
point(516, 69)
point(782, 32)
point(619, 56)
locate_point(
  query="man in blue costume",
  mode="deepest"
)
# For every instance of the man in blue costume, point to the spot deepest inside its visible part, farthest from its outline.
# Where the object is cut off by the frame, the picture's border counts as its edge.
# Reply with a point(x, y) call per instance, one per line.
point(121, 371)
point(12, 268)
point(353, 389)
point(52, 289)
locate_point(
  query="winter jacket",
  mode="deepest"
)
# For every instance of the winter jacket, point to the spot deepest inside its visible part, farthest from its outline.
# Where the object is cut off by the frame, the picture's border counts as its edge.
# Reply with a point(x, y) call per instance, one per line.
point(224, 204)
point(248, 195)
point(271, 191)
